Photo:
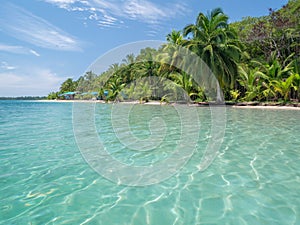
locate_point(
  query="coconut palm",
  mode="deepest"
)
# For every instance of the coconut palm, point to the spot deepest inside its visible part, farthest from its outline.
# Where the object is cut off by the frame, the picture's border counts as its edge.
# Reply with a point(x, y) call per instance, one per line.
point(126, 71)
point(217, 44)
point(175, 37)
point(68, 85)
point(115, 85)
point(183, 80)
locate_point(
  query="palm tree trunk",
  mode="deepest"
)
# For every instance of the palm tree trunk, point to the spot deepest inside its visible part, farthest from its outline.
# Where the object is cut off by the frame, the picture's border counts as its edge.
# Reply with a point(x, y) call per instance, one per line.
point(219, 99)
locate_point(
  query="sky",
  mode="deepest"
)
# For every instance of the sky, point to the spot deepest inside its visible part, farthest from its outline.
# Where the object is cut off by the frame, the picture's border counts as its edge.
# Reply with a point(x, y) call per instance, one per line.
point(44, 42)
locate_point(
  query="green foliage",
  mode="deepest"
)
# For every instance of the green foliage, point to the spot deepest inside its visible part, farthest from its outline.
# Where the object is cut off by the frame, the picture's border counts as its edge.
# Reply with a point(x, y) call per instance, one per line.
point(52, 96)
point(68, 85)
point(269, 80)
point(283, 87)
point(256, 59)
point(217, 44)
point(234, 95)
point(278, 32)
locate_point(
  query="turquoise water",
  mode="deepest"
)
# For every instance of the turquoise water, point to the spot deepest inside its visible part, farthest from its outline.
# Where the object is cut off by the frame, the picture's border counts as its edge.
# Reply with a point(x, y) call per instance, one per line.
point(44, 179)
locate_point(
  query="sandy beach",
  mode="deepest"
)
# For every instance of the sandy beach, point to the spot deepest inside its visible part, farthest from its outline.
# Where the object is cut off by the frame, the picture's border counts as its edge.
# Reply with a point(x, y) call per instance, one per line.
point(266, 107)
point(163, 103)
point(71, 101)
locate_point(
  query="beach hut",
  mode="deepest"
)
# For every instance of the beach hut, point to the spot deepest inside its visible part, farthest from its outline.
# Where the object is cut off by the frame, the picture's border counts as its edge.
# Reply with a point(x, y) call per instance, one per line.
point(89, 95)
point(68, 95)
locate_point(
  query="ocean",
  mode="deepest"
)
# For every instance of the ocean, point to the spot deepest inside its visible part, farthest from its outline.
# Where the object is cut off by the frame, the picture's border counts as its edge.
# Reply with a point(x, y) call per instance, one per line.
point(86, 163)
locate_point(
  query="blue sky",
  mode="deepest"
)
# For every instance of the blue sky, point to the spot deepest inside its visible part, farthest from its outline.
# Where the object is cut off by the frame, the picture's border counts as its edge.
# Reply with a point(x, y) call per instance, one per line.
point(44, 42)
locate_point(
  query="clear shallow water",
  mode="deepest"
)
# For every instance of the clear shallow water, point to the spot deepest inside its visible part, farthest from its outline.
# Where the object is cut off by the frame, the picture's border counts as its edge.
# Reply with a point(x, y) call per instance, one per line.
point(44, 179)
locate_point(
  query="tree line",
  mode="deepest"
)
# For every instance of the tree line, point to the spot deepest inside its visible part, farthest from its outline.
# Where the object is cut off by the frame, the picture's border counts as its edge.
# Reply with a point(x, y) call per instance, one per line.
point(255, 59)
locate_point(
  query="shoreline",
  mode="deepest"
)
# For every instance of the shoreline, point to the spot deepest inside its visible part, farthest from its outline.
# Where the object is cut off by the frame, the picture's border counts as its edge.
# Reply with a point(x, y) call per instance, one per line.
point(264, 107)
point(237, 105)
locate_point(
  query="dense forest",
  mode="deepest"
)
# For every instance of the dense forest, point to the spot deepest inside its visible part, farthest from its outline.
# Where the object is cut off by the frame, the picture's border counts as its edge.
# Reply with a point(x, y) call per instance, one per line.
point(255, 59)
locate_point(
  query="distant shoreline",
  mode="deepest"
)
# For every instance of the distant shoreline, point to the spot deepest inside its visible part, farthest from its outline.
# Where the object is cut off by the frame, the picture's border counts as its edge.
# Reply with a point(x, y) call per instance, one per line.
point(24, 98)
point(295, 106)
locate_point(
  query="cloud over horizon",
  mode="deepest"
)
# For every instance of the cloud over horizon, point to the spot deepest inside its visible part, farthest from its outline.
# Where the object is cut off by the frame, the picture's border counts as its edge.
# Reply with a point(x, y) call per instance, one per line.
point(36, 82)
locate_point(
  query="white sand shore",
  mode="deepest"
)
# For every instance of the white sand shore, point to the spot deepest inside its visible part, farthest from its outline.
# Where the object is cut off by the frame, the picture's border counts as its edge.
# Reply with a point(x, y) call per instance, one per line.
point(101, 101)
point(163, 103)
point(265, 107)
point(71, 101)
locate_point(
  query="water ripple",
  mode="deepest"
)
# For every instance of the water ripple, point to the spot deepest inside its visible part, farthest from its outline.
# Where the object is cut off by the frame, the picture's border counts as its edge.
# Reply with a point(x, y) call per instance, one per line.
point(254, 179)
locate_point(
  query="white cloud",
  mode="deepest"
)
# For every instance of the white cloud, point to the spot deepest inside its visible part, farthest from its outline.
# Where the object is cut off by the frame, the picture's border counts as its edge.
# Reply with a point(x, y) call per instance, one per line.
point(152, 33)
point(25, 26)
point(144, 10)
point(36, 82)
point(34, 52)
point(113, 12)
point(5, 66)
point(62, 1)
point(17, 49)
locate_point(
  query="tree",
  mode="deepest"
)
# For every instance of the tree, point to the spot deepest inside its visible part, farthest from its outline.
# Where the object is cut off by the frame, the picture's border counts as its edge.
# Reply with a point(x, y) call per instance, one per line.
point(87, 83)
point(126, 70)
point(217, 44)
point(175, 37)
point(68, 85)
point(278, 32)
point(52, 95)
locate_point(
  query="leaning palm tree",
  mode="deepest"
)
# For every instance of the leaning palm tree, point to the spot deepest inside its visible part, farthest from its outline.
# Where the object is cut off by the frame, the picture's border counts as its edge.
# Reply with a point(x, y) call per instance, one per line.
point(169, 54)
point(217, 44)
point(126, 71)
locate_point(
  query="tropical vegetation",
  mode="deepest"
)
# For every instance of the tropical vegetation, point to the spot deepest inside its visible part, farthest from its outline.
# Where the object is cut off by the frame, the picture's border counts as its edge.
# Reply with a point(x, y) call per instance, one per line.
point(255, 59)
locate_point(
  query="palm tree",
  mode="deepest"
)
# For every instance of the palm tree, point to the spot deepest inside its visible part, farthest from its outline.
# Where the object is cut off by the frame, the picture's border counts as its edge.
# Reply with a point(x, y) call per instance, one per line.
point(68, 85)
point(175, 37)
point(183, 80)
point(217, 44)
point(146, 65)
point(126, 70)
point(115, 85)
point(170, 55)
